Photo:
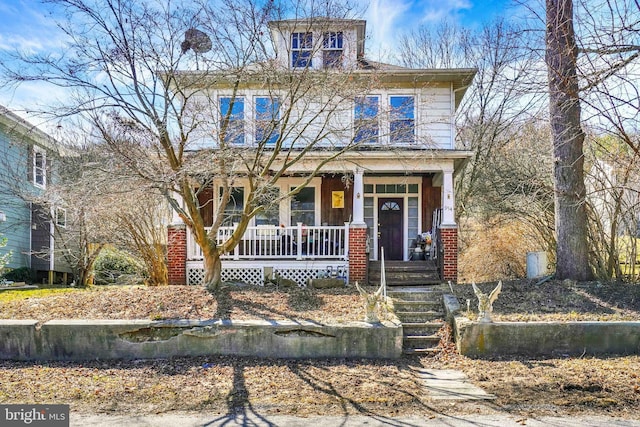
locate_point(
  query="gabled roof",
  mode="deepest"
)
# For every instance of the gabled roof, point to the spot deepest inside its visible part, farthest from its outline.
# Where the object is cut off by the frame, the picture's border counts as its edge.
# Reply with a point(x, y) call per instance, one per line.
point(19, 126)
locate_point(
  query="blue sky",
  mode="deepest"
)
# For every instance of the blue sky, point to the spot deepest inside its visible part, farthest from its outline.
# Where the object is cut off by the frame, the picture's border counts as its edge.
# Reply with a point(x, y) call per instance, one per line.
point(26, 25)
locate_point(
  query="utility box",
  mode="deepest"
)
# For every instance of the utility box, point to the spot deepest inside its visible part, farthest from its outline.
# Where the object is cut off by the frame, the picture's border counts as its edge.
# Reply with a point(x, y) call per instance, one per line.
point(537, 264)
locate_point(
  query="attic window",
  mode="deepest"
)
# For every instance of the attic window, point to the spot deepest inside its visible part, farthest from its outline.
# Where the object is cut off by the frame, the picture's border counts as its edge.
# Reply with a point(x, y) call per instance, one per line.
point(332, 53)
point(301, 49)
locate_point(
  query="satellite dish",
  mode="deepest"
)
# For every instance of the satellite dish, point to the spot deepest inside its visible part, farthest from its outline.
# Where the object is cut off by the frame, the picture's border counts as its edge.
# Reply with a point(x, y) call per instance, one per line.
point(196, 40)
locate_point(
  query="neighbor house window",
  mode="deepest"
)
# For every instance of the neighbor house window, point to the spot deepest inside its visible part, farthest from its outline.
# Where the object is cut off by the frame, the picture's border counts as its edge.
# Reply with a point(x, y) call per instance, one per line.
point(365, 121)
point(402, 123)
point(303, 207)
point(332, 50)
point(61, 217)
point(301, 50)
point(39, 168)
point(234, 207)
point(232, 109)
point(267, 116)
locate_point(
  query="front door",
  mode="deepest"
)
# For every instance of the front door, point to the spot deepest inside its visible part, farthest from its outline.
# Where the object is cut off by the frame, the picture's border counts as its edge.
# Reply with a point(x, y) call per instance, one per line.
point(390, 226)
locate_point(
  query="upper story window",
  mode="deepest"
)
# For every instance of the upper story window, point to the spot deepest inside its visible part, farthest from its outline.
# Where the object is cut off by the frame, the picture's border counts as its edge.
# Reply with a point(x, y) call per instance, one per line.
point(332, 49)
point(39, 168)
point(402, 119)
point(267, 116)
point(301, 50)
point(365, 121)
point(233, 110)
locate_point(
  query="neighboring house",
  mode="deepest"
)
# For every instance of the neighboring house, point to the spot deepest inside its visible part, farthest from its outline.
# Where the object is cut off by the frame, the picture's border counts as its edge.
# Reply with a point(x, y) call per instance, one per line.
point(26, 158)
point(397, 184)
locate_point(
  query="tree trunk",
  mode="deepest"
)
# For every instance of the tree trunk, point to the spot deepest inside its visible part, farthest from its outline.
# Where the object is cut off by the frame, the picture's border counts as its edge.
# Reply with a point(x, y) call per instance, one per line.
point(564, 107)
point(212, 269)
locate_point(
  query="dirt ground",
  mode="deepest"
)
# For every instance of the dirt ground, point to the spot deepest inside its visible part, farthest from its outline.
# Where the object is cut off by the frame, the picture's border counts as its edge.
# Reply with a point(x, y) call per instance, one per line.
point(229, 385)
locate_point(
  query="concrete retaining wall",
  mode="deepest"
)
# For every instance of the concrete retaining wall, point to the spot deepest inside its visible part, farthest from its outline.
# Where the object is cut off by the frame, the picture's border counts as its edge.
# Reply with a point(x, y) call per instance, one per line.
point(131, 339)
point(475, 339)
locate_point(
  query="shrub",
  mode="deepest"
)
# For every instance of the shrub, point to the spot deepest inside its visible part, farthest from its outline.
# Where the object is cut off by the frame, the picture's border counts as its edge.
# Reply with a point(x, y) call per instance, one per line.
point(112, 263)
point(22, 274)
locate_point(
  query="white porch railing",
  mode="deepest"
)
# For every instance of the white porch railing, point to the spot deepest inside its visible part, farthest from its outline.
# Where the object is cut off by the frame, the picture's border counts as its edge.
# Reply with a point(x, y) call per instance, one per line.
point(299, 242)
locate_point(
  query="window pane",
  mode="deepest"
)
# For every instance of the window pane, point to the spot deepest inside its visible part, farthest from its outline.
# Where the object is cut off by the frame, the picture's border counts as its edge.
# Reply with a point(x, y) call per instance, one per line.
point(303, 206)
point(267, 117)
point(402, 119)
point(235, 205)
point(332, 40)
point(366, 119)
point(301, 40)
point(368, 188)
point(413, 188)
point(301, 45)
point(301, 58)
point(233, 109)
point(332, 58)
point(271, 215)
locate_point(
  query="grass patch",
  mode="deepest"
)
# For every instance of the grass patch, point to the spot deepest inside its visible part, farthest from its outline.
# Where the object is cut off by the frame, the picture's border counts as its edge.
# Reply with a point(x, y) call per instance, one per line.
point(22, 294)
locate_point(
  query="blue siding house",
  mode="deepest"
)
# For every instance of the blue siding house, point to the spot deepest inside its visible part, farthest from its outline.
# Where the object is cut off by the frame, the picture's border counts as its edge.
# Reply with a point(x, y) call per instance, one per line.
point(26, 158)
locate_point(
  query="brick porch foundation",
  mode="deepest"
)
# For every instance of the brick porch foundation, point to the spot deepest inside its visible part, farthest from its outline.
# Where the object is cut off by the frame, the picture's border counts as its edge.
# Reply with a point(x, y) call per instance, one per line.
point(358, 256)
point(449, 239)
point(177, 254)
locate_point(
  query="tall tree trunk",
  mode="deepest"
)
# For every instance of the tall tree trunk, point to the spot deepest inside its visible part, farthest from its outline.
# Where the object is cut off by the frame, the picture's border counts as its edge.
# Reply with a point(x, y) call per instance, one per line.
point(568, 137)
point(212, 269)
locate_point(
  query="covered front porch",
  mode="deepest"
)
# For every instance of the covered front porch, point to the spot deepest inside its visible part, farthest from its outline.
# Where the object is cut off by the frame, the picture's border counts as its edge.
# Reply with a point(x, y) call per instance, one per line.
point(340, 222)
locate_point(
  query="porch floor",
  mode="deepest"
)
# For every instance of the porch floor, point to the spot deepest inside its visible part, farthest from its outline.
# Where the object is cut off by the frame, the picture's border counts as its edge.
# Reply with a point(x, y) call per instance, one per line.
point(406, 273)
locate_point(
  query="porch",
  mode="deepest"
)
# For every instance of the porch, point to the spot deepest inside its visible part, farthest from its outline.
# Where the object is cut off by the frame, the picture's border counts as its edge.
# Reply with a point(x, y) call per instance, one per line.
point(265, 252)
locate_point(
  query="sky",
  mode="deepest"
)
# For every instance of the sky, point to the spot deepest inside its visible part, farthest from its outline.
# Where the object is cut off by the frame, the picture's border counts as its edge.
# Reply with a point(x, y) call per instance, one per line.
point(26, 25)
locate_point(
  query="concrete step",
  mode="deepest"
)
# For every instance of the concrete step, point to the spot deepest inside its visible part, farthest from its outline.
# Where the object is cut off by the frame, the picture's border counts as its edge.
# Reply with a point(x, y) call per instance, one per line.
point(414, 306)
point(421, 328)
point(421, 293)
point(416, 342)
point(420, 351)
point(419, 316)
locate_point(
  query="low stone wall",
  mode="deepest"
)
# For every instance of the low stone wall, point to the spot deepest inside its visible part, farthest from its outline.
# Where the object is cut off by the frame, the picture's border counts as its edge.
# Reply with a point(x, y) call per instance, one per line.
point(133, 339)
point(475, 339)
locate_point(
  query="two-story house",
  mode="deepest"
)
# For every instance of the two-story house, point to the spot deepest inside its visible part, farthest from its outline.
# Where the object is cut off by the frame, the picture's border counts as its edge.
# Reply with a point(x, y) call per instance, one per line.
point(26, 158)
point(395, 183)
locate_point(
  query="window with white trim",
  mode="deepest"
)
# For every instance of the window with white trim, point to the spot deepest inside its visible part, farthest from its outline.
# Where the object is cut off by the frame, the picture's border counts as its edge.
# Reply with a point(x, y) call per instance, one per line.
point(365, 119)
point(332, 49)
point(235, 205)
point(39, 168)
point(303, 206)
point(232, 109)
point(301, 49)
point(267, 116)
point(402, 119)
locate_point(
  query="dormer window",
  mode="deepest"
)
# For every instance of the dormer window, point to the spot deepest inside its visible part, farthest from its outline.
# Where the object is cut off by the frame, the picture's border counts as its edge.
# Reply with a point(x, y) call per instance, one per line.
point(332, 50)
point(301, 50)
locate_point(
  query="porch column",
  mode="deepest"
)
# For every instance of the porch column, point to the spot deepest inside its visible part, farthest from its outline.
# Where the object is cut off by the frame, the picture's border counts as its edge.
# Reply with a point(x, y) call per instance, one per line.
point(448, 200)
point(358, 256)
point(358, 197)
point(177, 250)
point(449, 229)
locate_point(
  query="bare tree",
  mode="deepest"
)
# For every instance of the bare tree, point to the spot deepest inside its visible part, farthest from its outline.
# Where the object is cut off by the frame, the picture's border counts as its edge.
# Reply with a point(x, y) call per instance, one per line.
point(141, 73)
point(572, 251)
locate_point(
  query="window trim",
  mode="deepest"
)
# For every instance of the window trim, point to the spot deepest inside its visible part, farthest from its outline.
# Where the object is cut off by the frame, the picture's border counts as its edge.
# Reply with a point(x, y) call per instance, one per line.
point(332, 43)
point(397, 115)
point(358, 122)
point(301, 49)
point(39, 170)
point(274, 120)
point(240, 137)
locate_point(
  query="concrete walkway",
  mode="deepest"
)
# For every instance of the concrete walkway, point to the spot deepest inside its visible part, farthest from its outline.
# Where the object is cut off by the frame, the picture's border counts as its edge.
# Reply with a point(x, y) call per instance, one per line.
point(204, 420)
point(449, 384)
